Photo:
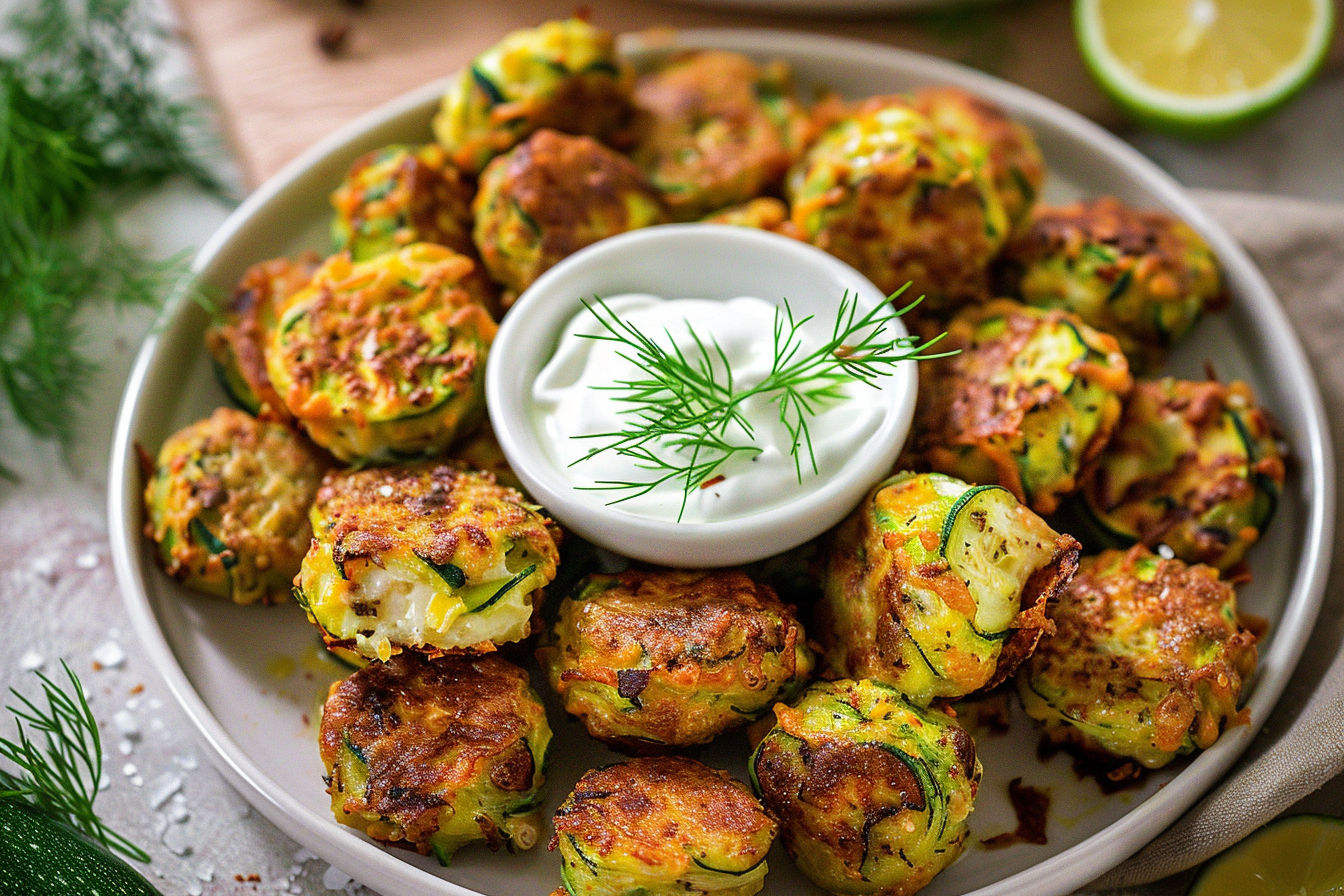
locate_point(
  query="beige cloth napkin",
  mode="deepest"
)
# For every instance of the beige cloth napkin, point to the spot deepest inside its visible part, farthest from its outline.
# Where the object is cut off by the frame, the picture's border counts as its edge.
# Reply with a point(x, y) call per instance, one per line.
point(1300, 248)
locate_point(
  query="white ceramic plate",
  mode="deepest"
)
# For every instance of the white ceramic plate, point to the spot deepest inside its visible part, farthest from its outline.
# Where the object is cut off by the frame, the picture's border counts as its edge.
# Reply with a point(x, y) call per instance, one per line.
point(251, 679)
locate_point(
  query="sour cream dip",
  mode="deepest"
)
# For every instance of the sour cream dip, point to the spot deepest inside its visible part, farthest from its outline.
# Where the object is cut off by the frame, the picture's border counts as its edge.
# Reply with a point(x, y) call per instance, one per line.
point(572, 406)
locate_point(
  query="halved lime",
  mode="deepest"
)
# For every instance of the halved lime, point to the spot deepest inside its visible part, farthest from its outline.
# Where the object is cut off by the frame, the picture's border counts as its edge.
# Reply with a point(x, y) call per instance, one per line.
point(1202, 68)
point(1300, 855)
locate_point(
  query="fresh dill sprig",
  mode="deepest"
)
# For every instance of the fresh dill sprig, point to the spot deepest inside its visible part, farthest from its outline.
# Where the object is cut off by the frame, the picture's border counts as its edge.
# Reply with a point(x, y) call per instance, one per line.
point(60, 778)
point(82, 120)
point(681, 413)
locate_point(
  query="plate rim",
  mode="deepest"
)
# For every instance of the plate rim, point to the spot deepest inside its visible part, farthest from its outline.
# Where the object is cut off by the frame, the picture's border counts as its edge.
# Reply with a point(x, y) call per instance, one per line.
point(1061, 872)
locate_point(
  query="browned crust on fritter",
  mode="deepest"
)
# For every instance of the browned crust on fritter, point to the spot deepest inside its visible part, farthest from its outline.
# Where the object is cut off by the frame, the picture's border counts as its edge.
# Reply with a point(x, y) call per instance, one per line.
point(1153, 244)
point(430, 727)
point(1181, 606)
point(562, 183)
point(434, 508)
point(716, 86)
point(342, 320)
point(251, 310)
point(659, 800)
point(1039, 595)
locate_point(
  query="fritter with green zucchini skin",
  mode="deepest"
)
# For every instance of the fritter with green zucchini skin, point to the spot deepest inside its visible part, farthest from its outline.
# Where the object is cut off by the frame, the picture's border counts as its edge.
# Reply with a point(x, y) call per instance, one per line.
point(871, 792)
point(662, 826)
point(1147, 661)
point(550, 196)
point(1143, 276)
point(237, 338)
point(563, 74)
point(937, 587)
point(384, 359)
point(1031, 397)
point(429, 558)
point(719, 129)
point(984, 131)
point(656, 659)
point(398, 195)
point(227, 504)
point(1193, 465)
point(883, 190)
point(436, 754)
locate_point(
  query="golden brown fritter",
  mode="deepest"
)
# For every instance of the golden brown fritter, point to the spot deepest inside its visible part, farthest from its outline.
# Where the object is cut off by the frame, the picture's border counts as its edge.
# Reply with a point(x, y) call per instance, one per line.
point(549, 197)
point(563, 74)
point(237, 339)
point(662, 825)
point(1193, 465)
point(1147, 662)
point(1143, 276)
point(937, 587)
point(436, 754)
point(883, 190)
point(982, 130)
point(384, 359)
point(871, 792)
point(720, 130)
point(1031, 396)
point(227, 503)
point(429, 557)
point(665, 658)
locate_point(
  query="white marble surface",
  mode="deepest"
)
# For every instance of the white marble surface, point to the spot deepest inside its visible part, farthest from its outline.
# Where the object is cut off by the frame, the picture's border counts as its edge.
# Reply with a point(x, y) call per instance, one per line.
point(161, 792)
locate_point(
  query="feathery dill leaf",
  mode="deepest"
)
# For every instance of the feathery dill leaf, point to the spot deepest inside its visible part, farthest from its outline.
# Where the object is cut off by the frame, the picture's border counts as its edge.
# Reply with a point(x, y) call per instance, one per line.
point(60, 776)
point(679, 414)
point(83, 120)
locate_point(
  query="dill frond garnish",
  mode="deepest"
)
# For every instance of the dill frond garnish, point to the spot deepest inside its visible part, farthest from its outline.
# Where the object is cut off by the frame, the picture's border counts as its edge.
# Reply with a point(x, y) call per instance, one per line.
point(685, 409)
point(60, 777)
point(83, 120)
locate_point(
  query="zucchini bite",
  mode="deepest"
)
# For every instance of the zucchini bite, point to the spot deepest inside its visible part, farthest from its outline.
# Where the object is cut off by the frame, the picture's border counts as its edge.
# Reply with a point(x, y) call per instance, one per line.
point(662, 826)
point(937, 587)
point(1142, 275)
point(562, 74)
point(237, 338)
point(384, 359)
point(549, 197)
point(227, 501)
point(437, 754)
point(1193, 465)
point(719, 130)
point(1031, 396)
point(883, 190)
point(983, 131)
point(871, 792)
point(1147, 662)
point(669, 658)
point(430, 558)
point(399, 195)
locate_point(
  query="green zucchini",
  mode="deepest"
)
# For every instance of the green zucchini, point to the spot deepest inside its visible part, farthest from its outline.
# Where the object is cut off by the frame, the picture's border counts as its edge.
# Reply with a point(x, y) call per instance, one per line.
point(41, 857)
point(982, 544)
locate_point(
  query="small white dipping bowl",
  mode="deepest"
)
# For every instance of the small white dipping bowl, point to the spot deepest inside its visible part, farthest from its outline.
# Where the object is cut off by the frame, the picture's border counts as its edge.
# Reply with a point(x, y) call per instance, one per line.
point(700, 261)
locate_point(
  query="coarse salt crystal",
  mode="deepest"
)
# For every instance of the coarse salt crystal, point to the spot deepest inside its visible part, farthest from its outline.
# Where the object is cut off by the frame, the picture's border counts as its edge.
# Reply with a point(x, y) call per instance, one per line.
point(125, 747)
point(162, 791)
point(109, 655)
point(194, 888)
point(126, 724)
point(31, 661)
point(206, 873)
point(45, 568)
point(187, 761)
point(334, 878)
point(128, 769)
point(87, 560)
point(175, 838)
